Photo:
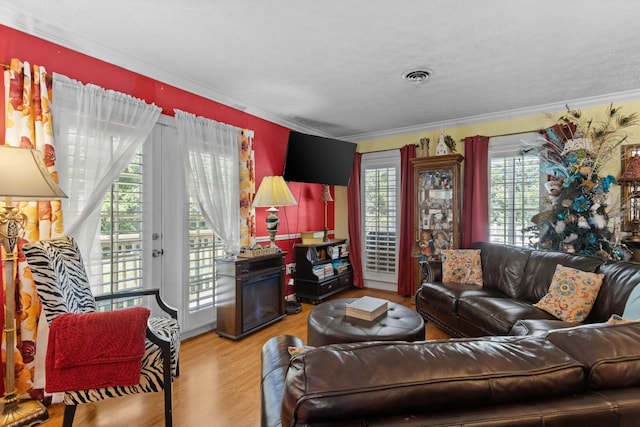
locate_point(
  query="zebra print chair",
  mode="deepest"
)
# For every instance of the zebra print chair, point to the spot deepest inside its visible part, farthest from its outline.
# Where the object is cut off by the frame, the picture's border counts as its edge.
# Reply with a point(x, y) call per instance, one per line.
point(63, 287)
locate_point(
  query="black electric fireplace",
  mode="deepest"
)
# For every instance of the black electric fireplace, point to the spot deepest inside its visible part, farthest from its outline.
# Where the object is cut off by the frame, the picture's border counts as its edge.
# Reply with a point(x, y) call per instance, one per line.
point(260, 300)
point(249, 294)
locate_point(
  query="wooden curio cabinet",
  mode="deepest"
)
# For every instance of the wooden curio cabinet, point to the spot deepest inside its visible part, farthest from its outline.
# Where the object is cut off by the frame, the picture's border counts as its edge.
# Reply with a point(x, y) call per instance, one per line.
point(438, 203)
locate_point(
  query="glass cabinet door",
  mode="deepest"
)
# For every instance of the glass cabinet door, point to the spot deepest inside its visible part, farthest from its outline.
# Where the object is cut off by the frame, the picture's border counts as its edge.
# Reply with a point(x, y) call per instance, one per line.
point(438, 201)
point(435, 211)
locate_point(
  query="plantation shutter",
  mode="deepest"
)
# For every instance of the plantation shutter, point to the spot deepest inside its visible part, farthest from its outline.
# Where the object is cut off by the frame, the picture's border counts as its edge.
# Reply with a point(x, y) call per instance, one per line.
point(380, 202)
point(515, 189)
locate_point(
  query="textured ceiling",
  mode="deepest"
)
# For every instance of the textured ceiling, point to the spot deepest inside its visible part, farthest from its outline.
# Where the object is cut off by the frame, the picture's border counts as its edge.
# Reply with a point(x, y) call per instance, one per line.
point(334, 67)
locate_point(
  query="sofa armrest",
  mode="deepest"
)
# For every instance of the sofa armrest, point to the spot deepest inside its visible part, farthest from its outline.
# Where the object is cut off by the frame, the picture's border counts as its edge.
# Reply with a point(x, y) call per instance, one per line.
point(275, 362)
point(537, 327)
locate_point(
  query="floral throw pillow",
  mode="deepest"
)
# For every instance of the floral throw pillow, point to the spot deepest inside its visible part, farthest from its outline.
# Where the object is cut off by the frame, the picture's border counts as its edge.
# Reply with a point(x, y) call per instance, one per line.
point(462, 266)
point(571, 294)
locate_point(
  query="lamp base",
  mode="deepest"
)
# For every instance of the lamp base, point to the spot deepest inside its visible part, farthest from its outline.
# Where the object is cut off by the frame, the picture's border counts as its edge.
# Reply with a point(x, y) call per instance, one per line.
point(22, 412)
point(272, 225)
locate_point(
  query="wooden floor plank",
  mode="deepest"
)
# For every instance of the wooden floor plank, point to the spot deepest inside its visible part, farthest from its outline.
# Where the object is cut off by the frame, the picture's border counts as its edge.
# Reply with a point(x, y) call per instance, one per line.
point(219, 382)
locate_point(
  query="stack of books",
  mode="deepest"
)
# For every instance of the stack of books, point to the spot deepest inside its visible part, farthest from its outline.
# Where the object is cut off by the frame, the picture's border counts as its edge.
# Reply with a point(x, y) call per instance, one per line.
point(322, 271)
point(318, 271)
point(341, 265)
point(328, 270)
point(367, 308)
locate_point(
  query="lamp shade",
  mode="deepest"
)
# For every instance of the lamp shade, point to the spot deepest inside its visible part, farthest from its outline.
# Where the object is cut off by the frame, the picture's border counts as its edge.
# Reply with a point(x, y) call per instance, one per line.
point(326, 194)
point(273, 191)
point(632, 170)
point(24, 176)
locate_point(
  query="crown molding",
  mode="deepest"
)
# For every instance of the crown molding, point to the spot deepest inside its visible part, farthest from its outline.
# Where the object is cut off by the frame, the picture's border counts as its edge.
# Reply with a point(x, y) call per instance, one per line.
point(631, 95)
point(13, 17)
point(17, 19)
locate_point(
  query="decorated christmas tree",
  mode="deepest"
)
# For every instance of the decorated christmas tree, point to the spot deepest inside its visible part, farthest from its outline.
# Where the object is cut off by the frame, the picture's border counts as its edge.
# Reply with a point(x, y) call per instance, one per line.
point(573, 155)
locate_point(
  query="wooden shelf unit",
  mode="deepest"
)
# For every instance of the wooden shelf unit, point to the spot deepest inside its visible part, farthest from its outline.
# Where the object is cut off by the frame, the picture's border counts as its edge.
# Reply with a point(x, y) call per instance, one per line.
point(313, 258)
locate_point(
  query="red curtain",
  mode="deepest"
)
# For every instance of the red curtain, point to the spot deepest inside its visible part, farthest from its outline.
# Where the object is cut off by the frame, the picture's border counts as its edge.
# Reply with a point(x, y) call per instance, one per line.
point(406, 271)
point(475, 195)
point(353, 196)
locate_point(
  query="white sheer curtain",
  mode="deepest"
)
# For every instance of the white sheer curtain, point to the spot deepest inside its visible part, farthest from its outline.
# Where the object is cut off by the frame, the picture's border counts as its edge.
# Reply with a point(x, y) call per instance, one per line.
point(211, 157)
point(99, 132)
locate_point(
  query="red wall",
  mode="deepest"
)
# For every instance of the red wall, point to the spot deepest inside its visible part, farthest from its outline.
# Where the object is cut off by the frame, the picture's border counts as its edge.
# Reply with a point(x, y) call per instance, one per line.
point(270, 140)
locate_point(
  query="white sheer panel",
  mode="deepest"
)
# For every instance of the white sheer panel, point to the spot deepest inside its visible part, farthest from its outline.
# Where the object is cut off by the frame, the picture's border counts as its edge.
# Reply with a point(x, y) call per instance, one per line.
point(99, 132)
point(212, 158)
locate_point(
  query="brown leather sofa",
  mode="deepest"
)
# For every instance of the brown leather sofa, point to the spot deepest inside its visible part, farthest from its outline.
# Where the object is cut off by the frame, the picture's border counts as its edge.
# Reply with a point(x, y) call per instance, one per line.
point(514, 279)
point(524, 368)
point(581, 376)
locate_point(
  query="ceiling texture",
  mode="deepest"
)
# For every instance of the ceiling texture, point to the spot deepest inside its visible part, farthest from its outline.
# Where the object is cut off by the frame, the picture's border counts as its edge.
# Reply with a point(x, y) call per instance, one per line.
point(335, 67)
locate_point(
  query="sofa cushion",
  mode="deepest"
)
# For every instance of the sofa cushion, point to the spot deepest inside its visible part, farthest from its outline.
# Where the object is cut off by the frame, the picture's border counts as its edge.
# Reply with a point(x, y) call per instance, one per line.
point(542, 265)
point(571, 294)
point(453, 373)
point(496, 316)
point(462, 266)
point(275, 362)
point(502, 266)
point(611, 352)
point(447, 295)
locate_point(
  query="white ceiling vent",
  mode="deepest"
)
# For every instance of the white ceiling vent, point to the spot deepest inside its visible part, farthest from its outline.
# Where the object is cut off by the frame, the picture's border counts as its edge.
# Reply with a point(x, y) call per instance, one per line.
point(418, 76)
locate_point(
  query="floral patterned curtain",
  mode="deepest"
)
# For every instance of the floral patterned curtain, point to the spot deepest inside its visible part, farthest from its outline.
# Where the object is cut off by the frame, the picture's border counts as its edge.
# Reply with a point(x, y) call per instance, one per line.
point(28, 124)
point(247, 190)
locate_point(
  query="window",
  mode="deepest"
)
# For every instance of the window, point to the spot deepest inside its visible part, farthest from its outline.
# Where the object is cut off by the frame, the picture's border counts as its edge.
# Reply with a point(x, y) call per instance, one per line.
point(121, 235)
point(380, 202)
point(515, 190)
point(121, 231)
point(204, 247)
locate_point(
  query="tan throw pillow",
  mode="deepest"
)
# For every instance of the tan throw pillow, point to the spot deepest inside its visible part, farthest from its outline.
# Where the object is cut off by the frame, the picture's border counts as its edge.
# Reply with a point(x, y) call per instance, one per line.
point(298, 350)
point(616, 318)
point(571, 294)
point(462, 266)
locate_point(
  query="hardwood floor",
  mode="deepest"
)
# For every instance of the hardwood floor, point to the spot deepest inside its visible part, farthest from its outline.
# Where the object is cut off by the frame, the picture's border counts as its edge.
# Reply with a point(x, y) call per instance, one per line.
point(219, 382)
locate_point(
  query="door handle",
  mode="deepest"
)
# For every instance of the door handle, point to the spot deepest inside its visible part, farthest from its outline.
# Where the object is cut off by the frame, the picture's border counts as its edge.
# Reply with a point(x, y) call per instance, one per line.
point(157, 252)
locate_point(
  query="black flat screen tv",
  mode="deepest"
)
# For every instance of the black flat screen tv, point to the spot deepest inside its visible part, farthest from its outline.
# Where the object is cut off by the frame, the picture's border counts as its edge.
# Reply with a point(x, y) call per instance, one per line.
point(318, 160)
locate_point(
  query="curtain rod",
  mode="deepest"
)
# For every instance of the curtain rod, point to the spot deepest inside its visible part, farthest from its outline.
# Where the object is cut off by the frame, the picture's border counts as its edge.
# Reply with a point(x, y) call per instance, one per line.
point(417, 144)
point(509, 134)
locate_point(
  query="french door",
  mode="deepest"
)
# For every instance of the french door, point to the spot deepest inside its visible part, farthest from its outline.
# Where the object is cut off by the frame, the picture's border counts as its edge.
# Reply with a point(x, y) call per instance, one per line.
point(153, 237)
point(185, 247)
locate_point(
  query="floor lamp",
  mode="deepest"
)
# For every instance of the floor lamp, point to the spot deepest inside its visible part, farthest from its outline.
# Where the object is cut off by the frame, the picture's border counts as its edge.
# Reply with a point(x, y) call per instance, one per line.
point(326, 198)
point(273, 191)
point(23, 176)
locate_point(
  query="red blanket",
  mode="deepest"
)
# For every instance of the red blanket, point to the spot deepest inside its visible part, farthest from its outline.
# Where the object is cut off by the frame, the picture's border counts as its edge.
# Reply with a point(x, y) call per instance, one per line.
point(95, 350)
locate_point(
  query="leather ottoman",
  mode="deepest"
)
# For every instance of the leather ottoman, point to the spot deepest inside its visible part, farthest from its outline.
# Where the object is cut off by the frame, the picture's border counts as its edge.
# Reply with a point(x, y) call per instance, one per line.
point(328, 324)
